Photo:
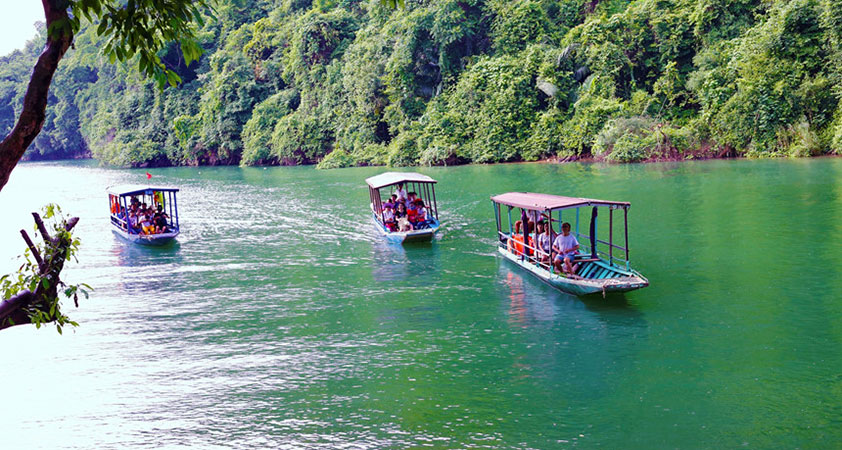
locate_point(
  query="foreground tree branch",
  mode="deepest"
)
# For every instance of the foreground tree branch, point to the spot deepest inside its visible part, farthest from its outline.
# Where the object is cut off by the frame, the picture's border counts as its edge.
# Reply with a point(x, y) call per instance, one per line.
point(59, 39)
point(42, 302)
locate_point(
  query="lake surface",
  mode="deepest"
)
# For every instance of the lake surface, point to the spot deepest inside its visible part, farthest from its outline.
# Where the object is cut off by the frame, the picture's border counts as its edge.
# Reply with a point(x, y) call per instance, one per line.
point(281, 320)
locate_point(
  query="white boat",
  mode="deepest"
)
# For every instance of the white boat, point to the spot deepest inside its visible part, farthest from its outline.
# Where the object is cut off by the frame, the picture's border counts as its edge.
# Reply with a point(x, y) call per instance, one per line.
point(120, 198)
point(422, 185)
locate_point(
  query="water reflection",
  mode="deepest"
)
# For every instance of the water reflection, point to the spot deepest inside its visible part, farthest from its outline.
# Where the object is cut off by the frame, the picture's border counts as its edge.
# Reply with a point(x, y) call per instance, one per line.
point(576, 348)
point(395, 262)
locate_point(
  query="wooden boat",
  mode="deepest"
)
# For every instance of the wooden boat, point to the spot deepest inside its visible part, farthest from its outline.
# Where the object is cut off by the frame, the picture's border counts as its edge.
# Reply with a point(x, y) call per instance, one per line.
point(423, 185)
point(600, 267)
point(120, 198)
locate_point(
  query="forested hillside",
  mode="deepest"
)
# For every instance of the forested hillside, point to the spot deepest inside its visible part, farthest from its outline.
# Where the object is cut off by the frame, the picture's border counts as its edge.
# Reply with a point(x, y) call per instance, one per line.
point(345, 82)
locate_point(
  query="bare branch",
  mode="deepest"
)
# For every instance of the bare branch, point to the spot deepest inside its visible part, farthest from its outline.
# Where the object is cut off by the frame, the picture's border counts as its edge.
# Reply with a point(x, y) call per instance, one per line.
point(42, 228)
point(35, 253)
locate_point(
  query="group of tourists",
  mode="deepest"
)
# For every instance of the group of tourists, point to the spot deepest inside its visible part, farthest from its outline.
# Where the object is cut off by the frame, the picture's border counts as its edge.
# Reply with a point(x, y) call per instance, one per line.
point(563, 247)
point(404, 211)
point(144, 219)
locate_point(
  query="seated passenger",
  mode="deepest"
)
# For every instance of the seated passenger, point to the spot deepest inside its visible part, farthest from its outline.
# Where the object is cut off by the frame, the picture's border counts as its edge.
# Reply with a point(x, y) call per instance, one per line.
point(147, 225)
point(411, 209)
point(160, 220)
point(420, 215)
point(565, 246)
point(389, 218)
point(401, 218)
point(516, 242)
point(544, 243)
point(133, 226)
point(410, 199)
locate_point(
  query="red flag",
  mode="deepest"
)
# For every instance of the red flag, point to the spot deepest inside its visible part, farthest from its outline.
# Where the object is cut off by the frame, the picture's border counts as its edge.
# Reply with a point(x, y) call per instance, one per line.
point(148, 175)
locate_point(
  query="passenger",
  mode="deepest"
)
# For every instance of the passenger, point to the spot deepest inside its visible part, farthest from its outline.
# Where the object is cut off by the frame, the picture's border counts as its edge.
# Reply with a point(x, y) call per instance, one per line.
point(515, 243)
point(544, 243)
point(389, 218)
point(402, 219)
point(147, 224)
point(160, 220)
point(565, 246)
point(411, 208)
point(133, 226)
point(400, 193)
point(420, 215)
point(410, 199)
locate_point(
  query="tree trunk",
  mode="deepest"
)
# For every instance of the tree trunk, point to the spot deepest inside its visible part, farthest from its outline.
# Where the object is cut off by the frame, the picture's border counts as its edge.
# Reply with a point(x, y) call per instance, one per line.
point(59, 39)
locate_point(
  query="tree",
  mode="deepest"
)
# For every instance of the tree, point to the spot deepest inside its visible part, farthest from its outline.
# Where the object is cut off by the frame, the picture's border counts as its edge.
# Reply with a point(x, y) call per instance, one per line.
point(133, 31)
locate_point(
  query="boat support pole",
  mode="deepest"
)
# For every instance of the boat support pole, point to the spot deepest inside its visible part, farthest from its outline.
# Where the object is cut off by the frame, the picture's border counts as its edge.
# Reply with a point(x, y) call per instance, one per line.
point(497, 220)
point(594, 213)
point(610, 235)
point(626, 223)
point(175, 207)
point(435, 205)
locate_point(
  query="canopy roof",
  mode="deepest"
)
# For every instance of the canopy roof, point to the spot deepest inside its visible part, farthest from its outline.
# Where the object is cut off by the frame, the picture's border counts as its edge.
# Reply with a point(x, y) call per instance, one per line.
point(390, 178)
point(545, 202)
point(137, 189)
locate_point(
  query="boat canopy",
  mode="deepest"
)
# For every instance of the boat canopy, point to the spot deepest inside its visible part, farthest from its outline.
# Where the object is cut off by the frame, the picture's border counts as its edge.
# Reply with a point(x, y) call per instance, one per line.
point(391, 178)
point(137, 189)
point(547, 202)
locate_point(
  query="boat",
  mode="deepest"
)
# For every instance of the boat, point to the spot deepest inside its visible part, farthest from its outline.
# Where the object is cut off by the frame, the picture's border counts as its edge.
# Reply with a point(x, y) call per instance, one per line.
point(600, 267)
point(120, 199)
point(423, 185)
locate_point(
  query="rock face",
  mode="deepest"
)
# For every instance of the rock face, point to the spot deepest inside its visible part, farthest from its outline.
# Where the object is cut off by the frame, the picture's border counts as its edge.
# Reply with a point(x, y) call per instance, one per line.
point(546, 87)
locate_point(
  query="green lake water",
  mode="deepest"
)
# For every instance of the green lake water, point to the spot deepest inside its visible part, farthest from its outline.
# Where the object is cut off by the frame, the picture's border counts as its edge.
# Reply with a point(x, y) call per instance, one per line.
point(282, 320)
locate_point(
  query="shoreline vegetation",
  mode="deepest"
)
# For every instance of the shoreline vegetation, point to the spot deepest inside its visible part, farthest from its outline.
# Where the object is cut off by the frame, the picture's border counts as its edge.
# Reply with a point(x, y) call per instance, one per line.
point(341, 83)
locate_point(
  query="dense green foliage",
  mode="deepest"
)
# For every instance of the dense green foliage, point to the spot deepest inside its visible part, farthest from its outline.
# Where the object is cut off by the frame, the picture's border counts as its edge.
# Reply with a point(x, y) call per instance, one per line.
point(348, 82)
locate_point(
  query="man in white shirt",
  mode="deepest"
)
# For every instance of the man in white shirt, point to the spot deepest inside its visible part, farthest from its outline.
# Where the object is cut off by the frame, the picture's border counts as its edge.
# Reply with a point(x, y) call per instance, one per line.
point(401, 193)
point(565, 246)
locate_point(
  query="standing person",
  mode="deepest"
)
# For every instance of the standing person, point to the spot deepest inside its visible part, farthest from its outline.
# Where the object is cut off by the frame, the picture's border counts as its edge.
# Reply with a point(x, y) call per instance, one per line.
point(565, 245)
point(400, 192)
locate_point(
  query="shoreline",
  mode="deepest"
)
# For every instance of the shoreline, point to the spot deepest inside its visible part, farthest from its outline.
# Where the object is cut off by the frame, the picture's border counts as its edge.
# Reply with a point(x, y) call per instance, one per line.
point(590, 159)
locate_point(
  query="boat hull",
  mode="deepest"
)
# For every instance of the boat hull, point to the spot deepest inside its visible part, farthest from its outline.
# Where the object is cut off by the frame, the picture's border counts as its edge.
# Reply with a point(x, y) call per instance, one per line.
point(425, 235)
point(578, 287)
point(156, 240)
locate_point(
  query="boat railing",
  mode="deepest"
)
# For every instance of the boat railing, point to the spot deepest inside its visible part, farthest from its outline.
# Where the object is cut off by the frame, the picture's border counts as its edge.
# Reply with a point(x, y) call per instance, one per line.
point(604, 250)
point(119, 222)
point(527, 255)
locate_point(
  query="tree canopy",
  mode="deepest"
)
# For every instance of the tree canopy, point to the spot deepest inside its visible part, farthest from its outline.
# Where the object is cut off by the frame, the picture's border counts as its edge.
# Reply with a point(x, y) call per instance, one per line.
point(349, 82)
point(132, 30)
